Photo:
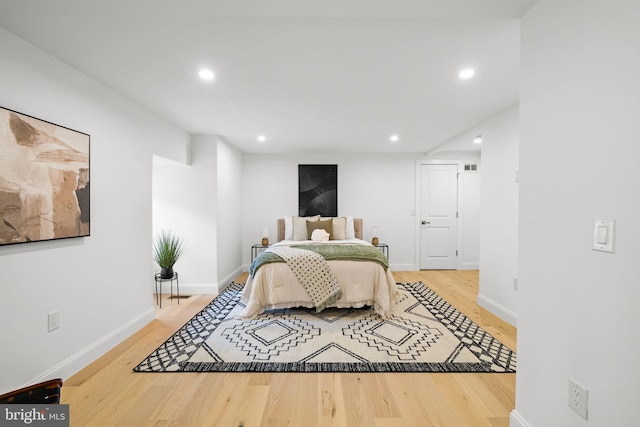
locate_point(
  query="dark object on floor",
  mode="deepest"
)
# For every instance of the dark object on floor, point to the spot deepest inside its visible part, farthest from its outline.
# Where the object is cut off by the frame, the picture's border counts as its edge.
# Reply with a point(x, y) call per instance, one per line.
point(41, 393)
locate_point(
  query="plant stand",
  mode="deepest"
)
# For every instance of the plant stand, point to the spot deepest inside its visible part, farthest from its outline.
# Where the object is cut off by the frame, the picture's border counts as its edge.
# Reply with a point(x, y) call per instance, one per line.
point(160, 281)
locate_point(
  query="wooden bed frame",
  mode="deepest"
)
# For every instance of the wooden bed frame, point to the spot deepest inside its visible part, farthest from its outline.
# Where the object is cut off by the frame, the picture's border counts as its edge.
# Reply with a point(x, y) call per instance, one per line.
point(357, 225)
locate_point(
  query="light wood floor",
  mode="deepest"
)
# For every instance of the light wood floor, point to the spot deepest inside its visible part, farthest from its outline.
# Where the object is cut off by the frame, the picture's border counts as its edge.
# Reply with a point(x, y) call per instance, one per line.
point(108, 393)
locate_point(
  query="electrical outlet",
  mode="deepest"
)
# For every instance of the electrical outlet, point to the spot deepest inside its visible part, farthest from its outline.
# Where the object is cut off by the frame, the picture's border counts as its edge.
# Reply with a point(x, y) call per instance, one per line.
point(515, 283)
point(54, 320)
point(578, 397)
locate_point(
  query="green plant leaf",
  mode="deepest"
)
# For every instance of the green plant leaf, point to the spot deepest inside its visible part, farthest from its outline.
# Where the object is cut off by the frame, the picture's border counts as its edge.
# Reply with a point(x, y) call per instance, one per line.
point(167, 249)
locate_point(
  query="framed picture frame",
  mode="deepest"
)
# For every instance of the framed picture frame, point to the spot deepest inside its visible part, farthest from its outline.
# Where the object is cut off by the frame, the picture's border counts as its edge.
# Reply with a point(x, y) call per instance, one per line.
point(44, 180)
point(318, 190)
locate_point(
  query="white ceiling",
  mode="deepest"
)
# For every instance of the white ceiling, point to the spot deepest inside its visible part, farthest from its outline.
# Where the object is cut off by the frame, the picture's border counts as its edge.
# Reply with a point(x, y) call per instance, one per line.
point(313, 76)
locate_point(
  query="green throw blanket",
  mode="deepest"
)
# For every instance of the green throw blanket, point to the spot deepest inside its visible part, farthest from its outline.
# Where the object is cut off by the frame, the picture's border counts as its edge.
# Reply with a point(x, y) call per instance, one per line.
point(330, 253)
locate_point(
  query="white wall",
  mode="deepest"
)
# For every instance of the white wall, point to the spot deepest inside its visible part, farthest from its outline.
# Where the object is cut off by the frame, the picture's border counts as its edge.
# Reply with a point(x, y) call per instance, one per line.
point(101, 284)
point(202, 203)
point(470, 202)
point(185, 202)
point(579, 149)
point(380, 189)
point(499, 215)
point(229, 212)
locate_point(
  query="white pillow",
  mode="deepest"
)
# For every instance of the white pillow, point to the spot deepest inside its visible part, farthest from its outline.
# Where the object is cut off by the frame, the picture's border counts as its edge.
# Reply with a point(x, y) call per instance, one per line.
point(339, 225)
point(339, 228)
point(300, 226)
point(288, 228)
point(351, 231)
point(320, 235)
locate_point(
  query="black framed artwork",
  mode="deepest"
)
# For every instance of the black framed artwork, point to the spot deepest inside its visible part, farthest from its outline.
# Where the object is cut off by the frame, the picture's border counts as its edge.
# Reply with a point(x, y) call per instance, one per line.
point(44, 180)
point(318, 190)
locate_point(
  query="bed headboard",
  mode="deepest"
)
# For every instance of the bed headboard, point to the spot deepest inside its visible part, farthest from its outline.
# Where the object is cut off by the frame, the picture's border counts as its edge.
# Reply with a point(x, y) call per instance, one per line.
point(357, 225)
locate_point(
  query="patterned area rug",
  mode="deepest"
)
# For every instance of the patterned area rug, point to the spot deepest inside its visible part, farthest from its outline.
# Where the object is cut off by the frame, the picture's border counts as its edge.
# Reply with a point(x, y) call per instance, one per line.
point(423, 334)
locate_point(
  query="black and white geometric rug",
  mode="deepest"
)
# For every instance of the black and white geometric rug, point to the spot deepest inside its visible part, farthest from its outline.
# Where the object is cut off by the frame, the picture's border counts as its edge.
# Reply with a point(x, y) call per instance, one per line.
point(423, 334)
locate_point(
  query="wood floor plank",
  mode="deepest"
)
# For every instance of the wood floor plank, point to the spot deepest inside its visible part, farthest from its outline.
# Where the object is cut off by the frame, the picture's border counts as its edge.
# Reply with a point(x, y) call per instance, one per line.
point(332, 411)
point(230, 407)
point(147, 407)
point(414, 398)
point(198, 404)
point(108, 393)
point(378, 391)
point(359, 411)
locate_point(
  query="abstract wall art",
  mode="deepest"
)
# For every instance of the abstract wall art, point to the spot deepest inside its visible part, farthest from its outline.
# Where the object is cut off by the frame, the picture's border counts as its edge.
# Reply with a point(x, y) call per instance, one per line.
point(44, 180)
point(318, 190)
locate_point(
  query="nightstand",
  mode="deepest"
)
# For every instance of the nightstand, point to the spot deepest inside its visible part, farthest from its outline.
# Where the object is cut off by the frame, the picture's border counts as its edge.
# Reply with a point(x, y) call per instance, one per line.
point(384, 248)
point(256, 249)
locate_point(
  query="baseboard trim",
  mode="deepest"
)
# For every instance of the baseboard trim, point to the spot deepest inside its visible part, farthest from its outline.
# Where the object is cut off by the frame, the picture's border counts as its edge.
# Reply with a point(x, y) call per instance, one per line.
point(470, 266)
point(89, 354)
point(402, 267)
point(498, 309)
point(230, 278)
point(198, 288)
point(516, 420)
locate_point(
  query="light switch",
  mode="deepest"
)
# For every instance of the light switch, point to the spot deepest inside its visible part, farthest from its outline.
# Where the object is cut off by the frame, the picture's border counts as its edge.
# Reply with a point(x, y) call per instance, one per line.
point(604, 235)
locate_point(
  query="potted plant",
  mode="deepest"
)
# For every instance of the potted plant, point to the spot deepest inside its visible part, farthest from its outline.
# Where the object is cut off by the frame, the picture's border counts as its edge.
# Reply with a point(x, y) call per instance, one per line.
point(167, 248)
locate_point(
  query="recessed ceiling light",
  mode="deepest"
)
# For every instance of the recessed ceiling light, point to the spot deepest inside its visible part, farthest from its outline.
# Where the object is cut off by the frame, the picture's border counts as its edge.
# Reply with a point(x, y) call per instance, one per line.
point(206, 74)
point(262, 138)
point(467, 73)
point(477, 139)
point(394, 138)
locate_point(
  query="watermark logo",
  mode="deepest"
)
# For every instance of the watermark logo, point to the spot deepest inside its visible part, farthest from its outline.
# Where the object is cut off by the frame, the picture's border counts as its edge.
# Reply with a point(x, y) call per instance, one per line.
point(34, 415)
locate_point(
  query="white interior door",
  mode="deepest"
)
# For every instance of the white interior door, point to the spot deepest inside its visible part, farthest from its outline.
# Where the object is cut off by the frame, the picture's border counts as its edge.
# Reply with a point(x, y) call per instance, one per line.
point(439, 217)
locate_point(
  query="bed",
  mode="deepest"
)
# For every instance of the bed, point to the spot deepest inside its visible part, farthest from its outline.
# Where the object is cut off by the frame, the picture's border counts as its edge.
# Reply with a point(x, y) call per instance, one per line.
point(363, 279)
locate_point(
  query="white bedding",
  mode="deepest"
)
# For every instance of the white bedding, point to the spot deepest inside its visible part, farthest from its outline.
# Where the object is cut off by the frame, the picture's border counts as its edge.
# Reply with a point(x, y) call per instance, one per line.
point(363, 283)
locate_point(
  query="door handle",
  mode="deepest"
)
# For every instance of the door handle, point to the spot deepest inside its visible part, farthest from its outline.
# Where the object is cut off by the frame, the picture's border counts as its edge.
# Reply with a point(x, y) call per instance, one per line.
point(425, 222)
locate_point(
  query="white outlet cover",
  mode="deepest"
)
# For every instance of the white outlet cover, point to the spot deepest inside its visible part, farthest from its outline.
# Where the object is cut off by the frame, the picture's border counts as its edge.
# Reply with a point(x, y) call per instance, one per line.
point(53, 320)
point(578, 398)
point(610, 226)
